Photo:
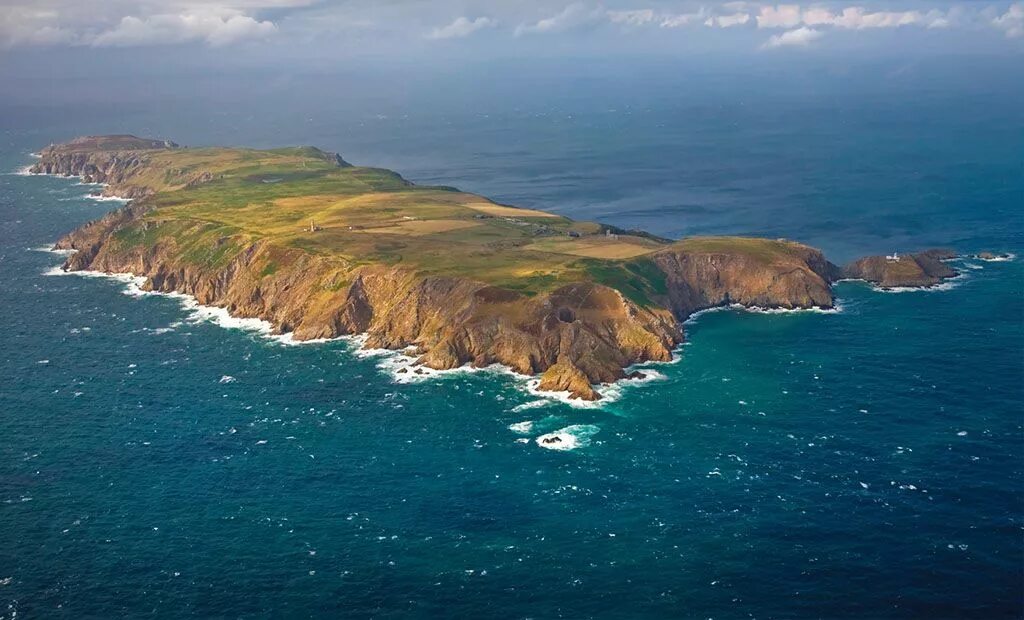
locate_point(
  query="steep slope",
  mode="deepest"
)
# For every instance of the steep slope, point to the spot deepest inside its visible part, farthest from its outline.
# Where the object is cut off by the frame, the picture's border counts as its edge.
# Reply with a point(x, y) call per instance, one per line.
point(457, 278)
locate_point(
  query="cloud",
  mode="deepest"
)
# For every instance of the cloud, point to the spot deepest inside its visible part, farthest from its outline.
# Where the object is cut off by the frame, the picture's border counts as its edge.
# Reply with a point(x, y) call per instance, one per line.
point(461, 27)
point(124, 23)
point(29, 25)
point(394, 23)
point(852, 18)
point(800, 37)
point(1011, 22)
point(632, 18)
point(17, 34)
point(728, 21)
point(681, 19)
point(856, 18)
point(214, 30)
point(572, 16)
point(782, 16)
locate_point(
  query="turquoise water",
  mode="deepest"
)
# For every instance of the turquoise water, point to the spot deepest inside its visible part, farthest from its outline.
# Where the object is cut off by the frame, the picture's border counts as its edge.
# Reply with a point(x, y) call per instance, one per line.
point(866, 463)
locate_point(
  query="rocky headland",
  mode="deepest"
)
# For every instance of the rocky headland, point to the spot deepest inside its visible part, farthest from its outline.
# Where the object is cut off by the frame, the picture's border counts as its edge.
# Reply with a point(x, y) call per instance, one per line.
point(321, 249)
point(919, 270)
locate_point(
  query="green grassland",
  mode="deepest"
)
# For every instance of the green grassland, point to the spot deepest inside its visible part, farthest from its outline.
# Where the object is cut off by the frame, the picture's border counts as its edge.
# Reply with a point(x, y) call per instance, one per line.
point(306, 199)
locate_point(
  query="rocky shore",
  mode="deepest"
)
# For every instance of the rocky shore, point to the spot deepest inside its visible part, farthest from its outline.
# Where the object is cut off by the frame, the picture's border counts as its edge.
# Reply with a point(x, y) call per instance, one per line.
point(573, 335)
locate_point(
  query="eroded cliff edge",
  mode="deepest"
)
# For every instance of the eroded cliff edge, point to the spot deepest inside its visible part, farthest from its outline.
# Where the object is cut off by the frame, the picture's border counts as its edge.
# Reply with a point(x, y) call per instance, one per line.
point(582, 326)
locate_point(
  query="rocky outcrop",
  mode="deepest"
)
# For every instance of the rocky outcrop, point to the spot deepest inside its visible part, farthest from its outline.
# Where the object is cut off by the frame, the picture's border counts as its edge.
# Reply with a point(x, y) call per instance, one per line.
point(922, 269)
point(112, 160)
point(793, 276)
point(566, 377)
point(994, 256)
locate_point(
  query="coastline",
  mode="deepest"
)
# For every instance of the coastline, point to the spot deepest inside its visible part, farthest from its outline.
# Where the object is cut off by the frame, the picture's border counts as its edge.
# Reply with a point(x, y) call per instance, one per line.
point(947, 284)
point(404, 367)
point(396, 364)
point(399, 366)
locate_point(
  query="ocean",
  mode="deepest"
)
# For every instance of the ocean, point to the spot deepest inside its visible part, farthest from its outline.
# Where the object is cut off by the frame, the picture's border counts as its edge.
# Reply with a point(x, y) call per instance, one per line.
point(158, 460)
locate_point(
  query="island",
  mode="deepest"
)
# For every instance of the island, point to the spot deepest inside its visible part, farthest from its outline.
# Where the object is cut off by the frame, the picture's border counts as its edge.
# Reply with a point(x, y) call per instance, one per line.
point(323, 249)
point(920, 270)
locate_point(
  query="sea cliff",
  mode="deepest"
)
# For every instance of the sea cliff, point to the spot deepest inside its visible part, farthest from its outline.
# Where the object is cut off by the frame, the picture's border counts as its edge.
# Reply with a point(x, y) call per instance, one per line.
point(322, 249)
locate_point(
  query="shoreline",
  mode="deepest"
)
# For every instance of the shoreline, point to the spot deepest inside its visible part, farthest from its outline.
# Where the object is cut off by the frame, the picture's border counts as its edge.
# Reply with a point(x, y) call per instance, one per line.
point(396, 363)
point(947, 284)
point(392, 362)
point(403, 368)
point(400, 367)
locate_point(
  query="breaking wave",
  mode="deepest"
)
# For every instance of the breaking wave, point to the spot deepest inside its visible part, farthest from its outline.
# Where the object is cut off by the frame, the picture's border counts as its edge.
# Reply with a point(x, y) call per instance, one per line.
point(568, 438)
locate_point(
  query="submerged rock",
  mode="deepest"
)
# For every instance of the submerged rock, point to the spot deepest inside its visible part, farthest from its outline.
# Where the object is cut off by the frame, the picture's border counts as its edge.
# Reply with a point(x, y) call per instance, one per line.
point(994, 256)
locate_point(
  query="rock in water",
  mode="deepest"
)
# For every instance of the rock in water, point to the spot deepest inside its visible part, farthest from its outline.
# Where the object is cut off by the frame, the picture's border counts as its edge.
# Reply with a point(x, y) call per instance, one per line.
point(564, 376)
point(922, 269)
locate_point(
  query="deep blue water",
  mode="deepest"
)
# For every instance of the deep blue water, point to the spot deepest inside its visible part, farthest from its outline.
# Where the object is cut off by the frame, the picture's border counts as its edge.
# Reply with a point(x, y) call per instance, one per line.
point(860, 464)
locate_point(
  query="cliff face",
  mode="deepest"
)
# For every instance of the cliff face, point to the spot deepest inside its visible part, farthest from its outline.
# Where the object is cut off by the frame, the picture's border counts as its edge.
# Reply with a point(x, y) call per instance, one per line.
point(573, 335)
point(909, 270)
point(113, 160)
point(577, 335)
point(799, 277)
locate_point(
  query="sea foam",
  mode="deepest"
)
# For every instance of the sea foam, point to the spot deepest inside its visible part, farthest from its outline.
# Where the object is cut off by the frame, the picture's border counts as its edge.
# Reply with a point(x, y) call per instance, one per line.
point(102, 198)
point(26, 171)
point(837, 309)
point(998, 259)
point(49, 249)
point(523, 428)
point(402, 366)
point(609, 392)
point(196, 312)
point(533, 404)
point(568, 438)
point(946, 285)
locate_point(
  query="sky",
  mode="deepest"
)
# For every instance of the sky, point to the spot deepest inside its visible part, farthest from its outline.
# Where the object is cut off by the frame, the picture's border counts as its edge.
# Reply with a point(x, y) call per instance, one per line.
point(317, 29)
point(393, 51)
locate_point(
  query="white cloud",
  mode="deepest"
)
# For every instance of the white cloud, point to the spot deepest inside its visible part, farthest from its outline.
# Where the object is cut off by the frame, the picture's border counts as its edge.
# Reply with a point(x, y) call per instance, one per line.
point(632, 18)
point(782, 16)
point(851, 18)
point(1011, 22)
point(800, 37)
point(214, 30)
point(19, 34)
point(135, 22)
point(937, 19)
point(28, 25)
point(572, 16)
point(817, 16)
point(462, 27)
point(680, 20)
point(223, 22)
point(728, 21)
point(856, 18)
